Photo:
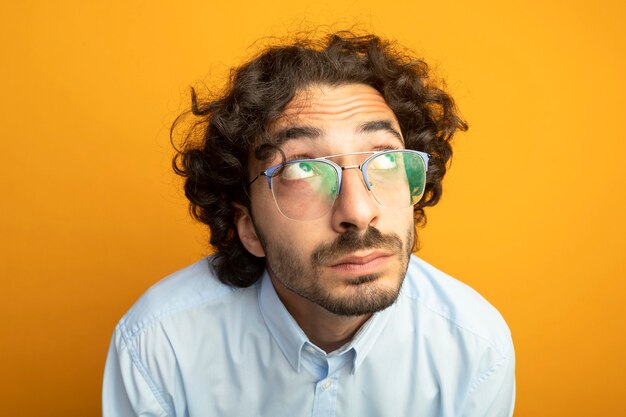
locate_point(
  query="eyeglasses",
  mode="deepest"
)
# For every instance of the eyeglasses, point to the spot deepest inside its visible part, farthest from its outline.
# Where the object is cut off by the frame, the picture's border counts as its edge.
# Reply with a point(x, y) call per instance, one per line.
point(306, 189)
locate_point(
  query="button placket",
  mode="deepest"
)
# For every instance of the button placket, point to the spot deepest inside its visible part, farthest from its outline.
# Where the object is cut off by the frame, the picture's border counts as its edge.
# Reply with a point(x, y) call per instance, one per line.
point(327, 383)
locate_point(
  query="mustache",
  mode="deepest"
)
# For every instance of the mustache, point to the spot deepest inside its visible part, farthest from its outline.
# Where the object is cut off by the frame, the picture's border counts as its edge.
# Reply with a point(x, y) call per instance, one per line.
point(352, 241)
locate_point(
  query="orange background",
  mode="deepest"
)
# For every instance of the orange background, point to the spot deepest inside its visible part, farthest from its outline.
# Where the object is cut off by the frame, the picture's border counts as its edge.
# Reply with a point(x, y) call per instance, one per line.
point(532, 216)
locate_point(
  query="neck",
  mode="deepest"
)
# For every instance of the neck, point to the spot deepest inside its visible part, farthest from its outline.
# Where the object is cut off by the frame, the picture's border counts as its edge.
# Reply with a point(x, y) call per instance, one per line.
point(326, 330)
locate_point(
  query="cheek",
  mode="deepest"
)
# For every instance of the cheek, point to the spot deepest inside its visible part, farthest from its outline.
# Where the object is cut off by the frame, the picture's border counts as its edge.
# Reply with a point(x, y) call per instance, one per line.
point(266, 216)
point(394, 219)
point(402, 224)
point(284, 236)
point(300, 237)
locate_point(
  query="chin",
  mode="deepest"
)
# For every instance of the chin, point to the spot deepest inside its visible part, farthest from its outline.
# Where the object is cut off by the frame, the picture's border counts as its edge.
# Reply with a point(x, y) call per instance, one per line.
point(363, 295)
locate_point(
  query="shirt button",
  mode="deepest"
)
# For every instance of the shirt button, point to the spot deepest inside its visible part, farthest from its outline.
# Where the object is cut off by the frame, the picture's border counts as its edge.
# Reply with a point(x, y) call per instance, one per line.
point(326, 384)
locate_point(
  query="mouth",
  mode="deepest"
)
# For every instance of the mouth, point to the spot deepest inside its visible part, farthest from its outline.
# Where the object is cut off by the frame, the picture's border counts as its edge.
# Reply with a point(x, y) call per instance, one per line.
point(368, 263)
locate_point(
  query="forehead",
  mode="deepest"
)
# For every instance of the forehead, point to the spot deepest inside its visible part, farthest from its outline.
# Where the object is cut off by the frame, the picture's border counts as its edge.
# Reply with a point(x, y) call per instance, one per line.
point(325, 112)
point(325, 103)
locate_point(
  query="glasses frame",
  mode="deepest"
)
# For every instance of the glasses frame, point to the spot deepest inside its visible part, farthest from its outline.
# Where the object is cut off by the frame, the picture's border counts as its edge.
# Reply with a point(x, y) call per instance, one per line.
point(270, 172)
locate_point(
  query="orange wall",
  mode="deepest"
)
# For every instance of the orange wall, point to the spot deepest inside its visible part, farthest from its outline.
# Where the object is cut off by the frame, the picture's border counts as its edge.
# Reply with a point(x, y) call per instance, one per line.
point(533, 215)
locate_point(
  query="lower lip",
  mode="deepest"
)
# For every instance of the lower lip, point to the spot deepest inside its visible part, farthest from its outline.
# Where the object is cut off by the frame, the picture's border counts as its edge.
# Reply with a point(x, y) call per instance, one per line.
point(370, 267)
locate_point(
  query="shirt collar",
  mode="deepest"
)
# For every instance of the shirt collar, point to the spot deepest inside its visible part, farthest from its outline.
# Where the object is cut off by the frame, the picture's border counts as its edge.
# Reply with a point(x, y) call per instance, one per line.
point(368, 334)
point(291, 339)
point(288, 335)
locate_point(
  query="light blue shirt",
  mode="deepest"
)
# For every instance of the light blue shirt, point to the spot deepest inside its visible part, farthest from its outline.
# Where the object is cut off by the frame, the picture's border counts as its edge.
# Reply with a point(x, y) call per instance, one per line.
point(192, 346)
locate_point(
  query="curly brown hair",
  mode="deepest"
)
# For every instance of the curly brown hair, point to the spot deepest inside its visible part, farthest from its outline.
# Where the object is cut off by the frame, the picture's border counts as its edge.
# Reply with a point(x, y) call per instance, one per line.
point(227, 127)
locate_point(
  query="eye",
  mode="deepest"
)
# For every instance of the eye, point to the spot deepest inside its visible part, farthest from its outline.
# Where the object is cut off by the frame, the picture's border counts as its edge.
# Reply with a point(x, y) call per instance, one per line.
point(298, 171)
point(385, 161)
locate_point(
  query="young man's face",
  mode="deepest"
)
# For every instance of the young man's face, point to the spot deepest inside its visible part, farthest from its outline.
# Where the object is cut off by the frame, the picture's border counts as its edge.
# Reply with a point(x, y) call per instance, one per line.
point(352, 260)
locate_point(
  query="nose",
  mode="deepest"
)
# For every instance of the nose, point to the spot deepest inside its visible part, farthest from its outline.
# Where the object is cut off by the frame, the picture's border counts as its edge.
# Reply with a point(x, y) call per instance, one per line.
point(354, 208)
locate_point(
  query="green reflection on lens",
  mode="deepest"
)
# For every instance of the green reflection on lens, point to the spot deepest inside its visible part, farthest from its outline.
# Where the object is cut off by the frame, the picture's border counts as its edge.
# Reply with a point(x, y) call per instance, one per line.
point(415, 171)
point(329, 186)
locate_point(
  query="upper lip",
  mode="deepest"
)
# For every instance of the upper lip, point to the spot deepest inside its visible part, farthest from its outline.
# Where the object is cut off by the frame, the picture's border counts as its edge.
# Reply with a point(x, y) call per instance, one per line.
point(360, 259)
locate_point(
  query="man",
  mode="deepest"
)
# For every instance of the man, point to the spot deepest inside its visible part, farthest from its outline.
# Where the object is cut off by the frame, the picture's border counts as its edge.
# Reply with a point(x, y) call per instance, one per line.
point(312, 171)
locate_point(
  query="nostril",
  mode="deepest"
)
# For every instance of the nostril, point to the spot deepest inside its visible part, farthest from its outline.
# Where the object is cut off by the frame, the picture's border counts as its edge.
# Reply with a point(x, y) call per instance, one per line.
point(348, 226)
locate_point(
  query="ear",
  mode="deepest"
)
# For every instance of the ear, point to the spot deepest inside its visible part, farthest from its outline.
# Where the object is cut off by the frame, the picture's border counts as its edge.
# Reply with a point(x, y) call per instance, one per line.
point(247, 231)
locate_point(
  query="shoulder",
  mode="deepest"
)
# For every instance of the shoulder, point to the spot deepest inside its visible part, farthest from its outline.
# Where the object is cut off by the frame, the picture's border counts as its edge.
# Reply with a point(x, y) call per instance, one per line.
point(180, 294)
point(450, 302)
point(177, 326)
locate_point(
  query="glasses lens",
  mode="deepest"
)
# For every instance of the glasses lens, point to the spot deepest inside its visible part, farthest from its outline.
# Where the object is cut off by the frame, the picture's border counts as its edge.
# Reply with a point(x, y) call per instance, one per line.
point(397, 178)
point(305, 190)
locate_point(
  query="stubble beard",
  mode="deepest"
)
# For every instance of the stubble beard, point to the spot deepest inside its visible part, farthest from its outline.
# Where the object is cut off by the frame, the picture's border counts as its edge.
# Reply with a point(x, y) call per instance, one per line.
point(285, 266)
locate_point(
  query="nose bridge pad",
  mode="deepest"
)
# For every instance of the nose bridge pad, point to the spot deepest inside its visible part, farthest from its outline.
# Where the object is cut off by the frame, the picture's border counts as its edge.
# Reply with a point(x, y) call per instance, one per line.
point(362, 176)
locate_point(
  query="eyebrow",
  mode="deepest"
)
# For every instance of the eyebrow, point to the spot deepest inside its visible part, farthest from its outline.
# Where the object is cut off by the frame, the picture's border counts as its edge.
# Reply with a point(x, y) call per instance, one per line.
point(311, 132)
point(380, 125)
point(296, 132)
